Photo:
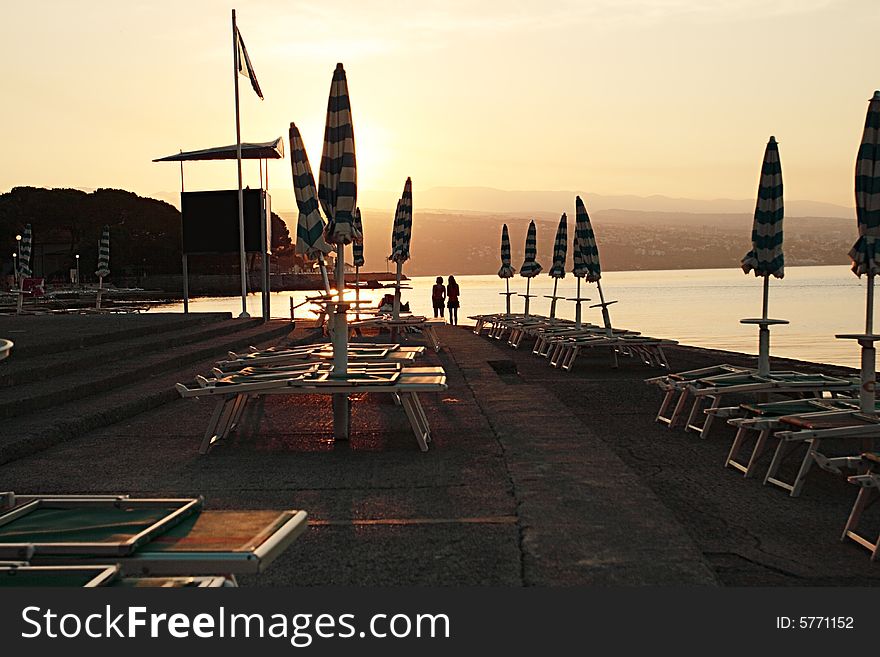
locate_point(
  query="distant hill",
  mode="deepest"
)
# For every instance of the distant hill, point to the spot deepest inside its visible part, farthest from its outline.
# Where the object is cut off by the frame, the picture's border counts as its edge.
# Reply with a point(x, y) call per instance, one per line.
point(468, 243)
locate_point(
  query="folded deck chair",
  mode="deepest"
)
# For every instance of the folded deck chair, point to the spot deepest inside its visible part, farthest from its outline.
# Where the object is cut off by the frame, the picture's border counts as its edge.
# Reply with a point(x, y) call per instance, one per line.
point(648, 350)
point(675, 388)
point(869, 487)
point(546, 339)
point(235, 390)
point(763, 420)
point(814, 428)
point(776, 383)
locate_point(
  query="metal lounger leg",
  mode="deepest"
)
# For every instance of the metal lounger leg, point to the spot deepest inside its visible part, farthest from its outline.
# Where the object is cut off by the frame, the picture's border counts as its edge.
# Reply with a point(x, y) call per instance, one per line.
point(783, 449)
point(414, 421)
point(218, 423)
point(417, 405)
point(571, 356)
point(731, 461)
point(696, 409)
point(680, 405)
point(852, 523)
point(757, 452)
point(667, 399)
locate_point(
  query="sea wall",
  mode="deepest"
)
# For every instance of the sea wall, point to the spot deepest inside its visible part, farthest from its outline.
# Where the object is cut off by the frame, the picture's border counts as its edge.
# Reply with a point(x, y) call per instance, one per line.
point(230, 284)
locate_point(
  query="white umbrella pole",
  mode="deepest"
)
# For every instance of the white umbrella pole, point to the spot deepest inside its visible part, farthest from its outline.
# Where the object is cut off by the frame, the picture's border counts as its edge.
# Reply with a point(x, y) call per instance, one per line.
point(528, 284)
point(606, 317)
point(338, 326)
point(396, 311)
point(100, 289)
point(764, 334)
point(869, 356)
point(577, 308)
point(323, 267)
point(553, 300)
point(357, 292)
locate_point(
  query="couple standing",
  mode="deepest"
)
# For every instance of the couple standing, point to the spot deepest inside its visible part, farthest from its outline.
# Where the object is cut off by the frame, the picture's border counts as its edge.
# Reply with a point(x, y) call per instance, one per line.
point(449, 294)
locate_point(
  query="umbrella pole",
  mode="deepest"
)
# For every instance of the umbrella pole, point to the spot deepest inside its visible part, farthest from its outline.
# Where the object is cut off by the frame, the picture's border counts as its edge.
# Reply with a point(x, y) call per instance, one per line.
point(553, 300)
point(528, 284)
point(396, 311)
point(764, 334)
point(357, 292)
point(507, 295)
point(100, 288)
point(606, 317)
point(323, 267)
point(339, 338)
point(869, 356)
point(577, 308)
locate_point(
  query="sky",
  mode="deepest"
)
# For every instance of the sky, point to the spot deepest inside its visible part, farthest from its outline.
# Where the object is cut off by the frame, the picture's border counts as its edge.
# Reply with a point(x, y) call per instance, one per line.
point(644, 97)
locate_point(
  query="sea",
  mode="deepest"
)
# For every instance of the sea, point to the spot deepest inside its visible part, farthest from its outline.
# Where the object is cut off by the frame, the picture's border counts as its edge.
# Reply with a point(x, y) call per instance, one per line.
point(700, 307)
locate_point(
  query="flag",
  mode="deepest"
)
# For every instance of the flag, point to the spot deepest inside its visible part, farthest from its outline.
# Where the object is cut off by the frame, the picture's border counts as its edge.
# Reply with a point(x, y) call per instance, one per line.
point(245, 67)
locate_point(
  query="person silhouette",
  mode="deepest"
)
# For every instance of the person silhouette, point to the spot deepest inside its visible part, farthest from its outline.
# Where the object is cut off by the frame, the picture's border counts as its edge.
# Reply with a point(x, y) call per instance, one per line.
point(438, 297)
point(452, 293)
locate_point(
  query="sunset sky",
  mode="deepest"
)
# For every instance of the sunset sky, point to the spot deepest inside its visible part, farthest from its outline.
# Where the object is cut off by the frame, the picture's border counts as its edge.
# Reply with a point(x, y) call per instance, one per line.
point(671, 97)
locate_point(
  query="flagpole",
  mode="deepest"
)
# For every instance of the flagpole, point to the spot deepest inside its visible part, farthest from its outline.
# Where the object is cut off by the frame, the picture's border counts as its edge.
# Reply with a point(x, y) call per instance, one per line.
point(242, 258)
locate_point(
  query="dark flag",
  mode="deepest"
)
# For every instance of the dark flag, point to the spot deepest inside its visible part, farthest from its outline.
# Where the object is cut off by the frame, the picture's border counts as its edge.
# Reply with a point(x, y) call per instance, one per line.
point(245, 67)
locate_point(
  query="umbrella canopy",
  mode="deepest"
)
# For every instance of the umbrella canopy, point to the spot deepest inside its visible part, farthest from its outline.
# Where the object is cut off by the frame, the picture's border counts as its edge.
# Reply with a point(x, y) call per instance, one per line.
point(560, 249)
point(337, 180)
point(310, 225)
point(401, 233)
point(357, 248)
point(506, 270)
point(766, 258)
point(104, 254)
point(24, 261)
point(530, 267)
point(864, 253)
point(586, 253)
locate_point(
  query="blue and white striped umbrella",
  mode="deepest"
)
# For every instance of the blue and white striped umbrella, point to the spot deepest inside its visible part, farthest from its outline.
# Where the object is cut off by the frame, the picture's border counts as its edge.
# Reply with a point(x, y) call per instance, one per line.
point(766, 257)
point(402, 230)
point(530, 267)
point(357, 248)
point(310, 224)
point(103, 269)
point(24, 260)
point(586, 253)
point(560, 249)
point(506, 270)
point(864, 253)
point(337, 180)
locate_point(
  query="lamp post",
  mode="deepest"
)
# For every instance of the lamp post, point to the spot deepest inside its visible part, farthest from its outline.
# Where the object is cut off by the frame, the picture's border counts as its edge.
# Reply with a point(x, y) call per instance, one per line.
point(15, 268)
point(78, 282)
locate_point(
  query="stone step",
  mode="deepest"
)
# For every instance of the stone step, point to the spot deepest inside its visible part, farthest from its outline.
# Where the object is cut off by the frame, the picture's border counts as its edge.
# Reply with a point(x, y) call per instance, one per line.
point(30, 370)
point(78, 384)
point(22, 436)
point(38, 335)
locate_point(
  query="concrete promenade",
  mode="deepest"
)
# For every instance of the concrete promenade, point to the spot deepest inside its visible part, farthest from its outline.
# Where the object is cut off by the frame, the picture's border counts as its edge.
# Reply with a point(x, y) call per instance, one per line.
point(536, 477)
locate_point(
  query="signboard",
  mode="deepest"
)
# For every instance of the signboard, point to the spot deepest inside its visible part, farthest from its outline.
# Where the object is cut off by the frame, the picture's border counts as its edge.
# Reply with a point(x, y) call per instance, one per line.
point(210, 221)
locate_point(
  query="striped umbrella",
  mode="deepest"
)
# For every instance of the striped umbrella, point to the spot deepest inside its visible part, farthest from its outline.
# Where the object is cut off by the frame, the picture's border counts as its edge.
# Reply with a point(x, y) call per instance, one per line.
point(560, 250)
point(506, 272)
point(357, 248)
point(104, 254)
point(530, 267)
point(586, 262)
point(310, 240)
point(401, 235)
point(864, 253)
point(337, 184)
point(24, 260)
point(766, 258)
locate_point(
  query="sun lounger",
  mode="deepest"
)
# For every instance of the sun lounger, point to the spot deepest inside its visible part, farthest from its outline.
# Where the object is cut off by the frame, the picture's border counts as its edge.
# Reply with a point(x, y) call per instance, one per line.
point(675, 388)
point(648, 350)
point(763, 420)
point(360, 353)
point(234, 391)
point(814, 428)
point(869, 487)
point(788, 383)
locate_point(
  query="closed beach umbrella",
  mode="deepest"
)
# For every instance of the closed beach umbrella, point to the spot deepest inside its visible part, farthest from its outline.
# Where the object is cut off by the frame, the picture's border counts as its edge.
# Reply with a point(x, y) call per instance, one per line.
point(104, 254)
point(24, 260)
point(310, 240)
point(530, 267)
point(337, 193)
point(506, 272)
point(586, 262)
point(337, 184)
point(560, 250)
point(357, 248)
point(766, 258)
point(400, 238)
point(864, 253)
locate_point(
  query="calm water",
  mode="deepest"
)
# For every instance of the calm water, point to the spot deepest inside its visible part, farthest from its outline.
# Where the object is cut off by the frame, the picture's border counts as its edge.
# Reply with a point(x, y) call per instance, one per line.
point(699, 307)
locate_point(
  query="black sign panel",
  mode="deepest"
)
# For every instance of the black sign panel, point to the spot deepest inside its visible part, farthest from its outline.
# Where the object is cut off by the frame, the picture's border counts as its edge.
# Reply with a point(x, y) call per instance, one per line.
point(210, 221)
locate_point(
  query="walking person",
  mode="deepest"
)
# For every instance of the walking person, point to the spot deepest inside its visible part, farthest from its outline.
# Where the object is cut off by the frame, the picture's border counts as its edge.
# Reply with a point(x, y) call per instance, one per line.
point(438, 297)
point(452, 293)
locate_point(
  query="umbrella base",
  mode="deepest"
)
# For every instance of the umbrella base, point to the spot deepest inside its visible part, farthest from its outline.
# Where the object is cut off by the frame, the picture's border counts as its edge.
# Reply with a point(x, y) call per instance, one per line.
point(341, 417)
